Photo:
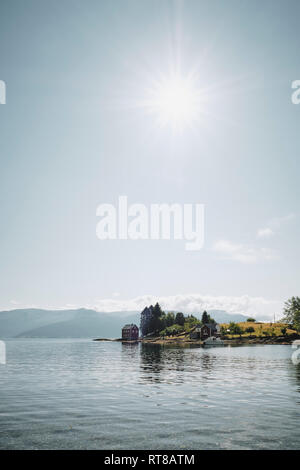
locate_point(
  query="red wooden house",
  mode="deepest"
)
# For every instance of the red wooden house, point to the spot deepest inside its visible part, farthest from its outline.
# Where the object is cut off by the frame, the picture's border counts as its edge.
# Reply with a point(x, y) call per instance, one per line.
point(130, 332)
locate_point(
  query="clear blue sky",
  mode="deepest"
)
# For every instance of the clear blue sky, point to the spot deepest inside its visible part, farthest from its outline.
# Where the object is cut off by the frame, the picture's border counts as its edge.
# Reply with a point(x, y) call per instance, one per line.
point(72, 135)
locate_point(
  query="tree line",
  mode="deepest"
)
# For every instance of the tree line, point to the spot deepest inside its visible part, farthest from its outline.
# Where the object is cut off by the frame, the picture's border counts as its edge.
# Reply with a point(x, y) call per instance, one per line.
point(169, 323)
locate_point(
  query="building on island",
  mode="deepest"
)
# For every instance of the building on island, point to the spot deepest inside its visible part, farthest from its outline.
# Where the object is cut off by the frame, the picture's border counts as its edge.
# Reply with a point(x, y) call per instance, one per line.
point(130, 332)
point(206, 331)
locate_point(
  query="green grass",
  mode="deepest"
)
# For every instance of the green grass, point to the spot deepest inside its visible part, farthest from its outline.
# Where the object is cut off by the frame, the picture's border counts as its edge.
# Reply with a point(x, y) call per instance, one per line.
point(261, 329)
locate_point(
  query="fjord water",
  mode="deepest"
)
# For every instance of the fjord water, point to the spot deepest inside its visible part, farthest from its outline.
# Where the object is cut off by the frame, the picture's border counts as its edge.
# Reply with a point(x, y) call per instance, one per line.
point(80, 394)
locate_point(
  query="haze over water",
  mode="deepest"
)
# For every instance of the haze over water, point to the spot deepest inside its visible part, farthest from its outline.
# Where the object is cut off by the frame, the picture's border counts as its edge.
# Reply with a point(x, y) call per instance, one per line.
point(68, 394)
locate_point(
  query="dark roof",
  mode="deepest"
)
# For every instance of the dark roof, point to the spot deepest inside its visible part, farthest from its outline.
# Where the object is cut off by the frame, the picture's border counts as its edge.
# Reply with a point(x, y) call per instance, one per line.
point(211, 326)
point(131, 325)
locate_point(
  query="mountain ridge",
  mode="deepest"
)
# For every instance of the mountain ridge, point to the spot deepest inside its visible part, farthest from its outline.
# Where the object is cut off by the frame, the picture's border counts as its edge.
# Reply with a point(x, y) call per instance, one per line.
point(78, 323)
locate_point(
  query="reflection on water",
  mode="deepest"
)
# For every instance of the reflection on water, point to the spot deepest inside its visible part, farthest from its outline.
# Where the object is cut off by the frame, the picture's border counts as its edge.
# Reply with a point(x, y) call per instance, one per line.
point(97, 395)
point(130, 351)
point(156, 360)
point(151, 362)
point(162, 363)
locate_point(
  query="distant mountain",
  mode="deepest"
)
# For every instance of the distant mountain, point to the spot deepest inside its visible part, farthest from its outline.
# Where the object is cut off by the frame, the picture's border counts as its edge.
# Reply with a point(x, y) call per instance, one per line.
point(224, 317)
point(14, 322)
point(221, 316)
point(79, 323)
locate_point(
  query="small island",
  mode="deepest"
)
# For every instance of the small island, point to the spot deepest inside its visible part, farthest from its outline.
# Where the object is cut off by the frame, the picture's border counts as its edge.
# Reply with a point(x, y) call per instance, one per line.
point(159, 327)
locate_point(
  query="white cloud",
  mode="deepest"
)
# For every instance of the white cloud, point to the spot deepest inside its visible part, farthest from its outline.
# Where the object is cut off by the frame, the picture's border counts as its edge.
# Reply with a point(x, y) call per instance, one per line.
point(274, 225)
point(259, 307)
point(242, 253)
point(265, 233)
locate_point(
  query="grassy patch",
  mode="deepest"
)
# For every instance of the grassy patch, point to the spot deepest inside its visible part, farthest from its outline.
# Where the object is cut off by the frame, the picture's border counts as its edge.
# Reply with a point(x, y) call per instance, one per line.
point(262, 329)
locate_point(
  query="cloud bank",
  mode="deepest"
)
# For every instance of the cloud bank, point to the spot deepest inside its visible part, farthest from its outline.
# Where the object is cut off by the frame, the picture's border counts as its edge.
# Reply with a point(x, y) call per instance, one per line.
point(259, 307)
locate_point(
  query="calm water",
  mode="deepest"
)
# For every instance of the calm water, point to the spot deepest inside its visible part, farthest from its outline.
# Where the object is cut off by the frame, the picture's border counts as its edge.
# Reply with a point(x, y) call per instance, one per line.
point(66, 394)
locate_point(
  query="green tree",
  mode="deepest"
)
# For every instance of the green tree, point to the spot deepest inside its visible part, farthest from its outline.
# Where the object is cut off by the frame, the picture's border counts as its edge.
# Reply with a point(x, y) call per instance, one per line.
point(170, 319)
point(251, 320)
point(292, 312)
point(205, 317)
point(163, 321)
point(223, 330)
point(191, 320)
point(179, 319)
point(283, 330)
point(156, 323)
point(250, 329)
point(157, 311)
point(239, 330)
point(235, 329)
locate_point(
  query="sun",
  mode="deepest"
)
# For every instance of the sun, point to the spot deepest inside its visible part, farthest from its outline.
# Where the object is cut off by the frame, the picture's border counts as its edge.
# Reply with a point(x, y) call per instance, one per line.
point(175, 101)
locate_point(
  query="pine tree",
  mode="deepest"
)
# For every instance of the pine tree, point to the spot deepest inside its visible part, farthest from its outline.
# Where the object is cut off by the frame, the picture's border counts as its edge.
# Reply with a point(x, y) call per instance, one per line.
point(179, 319)
point(205, 318)
point(156, 323)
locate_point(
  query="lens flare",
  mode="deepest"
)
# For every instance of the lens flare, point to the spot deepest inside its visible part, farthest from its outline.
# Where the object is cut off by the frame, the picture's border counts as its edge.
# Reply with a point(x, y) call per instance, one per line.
point(174, 101)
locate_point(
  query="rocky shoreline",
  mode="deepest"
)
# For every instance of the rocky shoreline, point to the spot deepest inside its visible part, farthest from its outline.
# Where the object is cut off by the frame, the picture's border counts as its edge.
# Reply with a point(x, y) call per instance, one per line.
point(234, 341)
point(185, 340)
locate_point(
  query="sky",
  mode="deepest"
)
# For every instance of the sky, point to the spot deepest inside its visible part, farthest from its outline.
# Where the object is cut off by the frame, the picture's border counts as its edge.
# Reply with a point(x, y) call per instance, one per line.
point(76, 131)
